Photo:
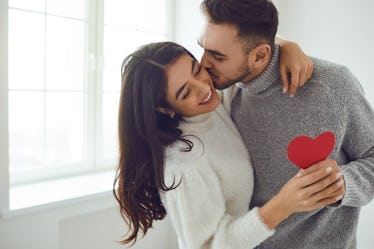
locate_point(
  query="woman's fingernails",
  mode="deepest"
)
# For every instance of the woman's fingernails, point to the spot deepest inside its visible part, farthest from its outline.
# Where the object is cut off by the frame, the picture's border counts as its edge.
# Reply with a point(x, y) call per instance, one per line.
point(329, 169)
point(340, 183)
point(339, 197)
point(338, 175)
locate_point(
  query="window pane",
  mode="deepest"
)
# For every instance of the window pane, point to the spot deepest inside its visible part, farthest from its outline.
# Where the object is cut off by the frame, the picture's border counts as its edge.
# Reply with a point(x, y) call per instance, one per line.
point(69, 8)
point(124, 13)
point(64, 128)
point(144, 38)
point(26, 50)
point(110, 125)
point(146, 15)
point(26, 130)
point(35, 5)
point(153, 16)
point(65, 54)
point(118, 43)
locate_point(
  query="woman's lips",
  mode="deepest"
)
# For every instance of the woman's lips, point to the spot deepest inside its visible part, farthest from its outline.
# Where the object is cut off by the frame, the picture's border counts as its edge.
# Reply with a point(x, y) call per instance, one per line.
point(208, 98)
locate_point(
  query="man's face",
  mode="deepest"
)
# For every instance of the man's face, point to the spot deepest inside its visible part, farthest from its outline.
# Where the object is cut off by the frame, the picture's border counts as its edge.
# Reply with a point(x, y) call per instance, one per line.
point(224, 56)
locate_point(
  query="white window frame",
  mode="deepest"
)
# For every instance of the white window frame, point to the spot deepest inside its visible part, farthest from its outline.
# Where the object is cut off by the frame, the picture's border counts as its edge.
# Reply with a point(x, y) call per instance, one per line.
point(94, 75)
point(4, 143)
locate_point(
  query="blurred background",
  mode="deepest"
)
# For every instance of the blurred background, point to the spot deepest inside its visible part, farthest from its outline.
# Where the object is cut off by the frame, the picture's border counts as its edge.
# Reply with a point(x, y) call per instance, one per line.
point(59, 87)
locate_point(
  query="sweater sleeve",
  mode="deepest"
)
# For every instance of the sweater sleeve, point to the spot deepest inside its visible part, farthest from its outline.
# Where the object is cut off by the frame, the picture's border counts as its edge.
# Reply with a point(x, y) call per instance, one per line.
point(358, 144)
point(197, 208)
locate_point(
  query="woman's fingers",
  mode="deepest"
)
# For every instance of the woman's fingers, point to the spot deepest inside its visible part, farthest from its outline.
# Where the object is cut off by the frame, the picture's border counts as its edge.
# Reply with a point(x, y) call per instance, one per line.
point(325, 202)
point(321, 164)
point(333, 190)
point(315, 176)
point(330, 178)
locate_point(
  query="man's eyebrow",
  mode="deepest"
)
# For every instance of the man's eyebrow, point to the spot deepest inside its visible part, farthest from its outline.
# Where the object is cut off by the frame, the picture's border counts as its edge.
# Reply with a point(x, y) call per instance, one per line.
point(184, 85)
point(215, 52)
point(211, 51)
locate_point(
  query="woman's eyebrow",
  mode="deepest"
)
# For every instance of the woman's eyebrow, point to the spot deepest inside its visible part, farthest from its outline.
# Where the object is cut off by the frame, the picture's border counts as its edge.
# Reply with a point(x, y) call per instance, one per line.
point(180, 90)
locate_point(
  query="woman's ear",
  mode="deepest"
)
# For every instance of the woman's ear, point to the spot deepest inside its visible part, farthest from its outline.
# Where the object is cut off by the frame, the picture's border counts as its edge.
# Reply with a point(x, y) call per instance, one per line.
point(259, 56)
point(166, 111)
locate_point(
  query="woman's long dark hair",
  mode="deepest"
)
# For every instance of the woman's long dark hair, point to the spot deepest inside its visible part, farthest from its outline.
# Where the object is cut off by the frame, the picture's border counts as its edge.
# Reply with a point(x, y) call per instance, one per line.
point(143, 134)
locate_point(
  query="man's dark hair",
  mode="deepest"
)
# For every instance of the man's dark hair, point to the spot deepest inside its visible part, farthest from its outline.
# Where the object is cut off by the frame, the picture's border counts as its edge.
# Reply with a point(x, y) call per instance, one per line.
point(256, 20)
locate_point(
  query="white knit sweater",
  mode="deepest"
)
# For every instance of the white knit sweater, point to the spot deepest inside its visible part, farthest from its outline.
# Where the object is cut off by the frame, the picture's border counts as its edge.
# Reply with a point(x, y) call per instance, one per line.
point(209, 209)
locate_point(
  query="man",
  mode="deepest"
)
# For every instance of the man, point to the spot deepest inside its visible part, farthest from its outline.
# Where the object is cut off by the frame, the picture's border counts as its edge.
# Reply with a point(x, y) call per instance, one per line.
point(239, 46)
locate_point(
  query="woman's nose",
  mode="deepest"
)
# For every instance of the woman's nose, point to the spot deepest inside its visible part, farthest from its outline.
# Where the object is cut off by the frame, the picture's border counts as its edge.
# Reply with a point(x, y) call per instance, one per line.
point(201, 86)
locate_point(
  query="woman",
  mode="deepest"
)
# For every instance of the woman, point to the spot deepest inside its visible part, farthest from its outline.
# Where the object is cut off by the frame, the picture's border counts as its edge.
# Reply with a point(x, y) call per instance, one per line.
point(181, 154)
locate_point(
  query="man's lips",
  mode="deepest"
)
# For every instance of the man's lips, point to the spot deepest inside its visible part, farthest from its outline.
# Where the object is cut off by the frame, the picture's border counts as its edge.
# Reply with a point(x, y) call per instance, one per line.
point(213, 76)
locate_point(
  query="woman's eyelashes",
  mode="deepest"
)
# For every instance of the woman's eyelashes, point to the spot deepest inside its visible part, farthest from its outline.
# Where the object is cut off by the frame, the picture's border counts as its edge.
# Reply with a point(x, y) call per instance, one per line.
point(186, 94)
point(198, 70)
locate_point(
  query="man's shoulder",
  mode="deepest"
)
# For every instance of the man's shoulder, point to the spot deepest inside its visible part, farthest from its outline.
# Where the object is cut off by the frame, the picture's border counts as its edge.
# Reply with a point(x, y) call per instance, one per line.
point(328, 70)
point(334, 76)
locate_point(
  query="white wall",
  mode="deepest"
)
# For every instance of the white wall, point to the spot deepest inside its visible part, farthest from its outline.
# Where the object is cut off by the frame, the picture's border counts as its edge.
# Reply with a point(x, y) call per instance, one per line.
point(188, 25)
point(92, 223)
point(337, 30)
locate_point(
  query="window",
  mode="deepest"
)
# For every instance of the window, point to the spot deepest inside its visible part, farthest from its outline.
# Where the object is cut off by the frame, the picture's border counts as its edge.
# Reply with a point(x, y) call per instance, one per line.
point(64, 80)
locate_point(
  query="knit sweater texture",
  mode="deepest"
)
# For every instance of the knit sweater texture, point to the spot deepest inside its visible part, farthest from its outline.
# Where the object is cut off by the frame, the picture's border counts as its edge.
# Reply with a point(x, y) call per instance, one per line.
point(268, 120)
point(209, 209)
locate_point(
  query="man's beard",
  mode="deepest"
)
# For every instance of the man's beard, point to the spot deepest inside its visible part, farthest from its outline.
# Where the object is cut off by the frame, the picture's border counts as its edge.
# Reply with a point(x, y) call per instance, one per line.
point(244, 73)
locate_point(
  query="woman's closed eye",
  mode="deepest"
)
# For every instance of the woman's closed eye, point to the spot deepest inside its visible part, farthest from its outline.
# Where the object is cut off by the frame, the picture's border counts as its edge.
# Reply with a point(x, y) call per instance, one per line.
point(186, 94)
point(198, 70)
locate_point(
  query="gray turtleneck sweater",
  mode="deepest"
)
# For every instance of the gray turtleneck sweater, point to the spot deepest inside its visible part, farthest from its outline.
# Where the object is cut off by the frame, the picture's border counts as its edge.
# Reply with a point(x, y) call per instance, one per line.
point(268, 120)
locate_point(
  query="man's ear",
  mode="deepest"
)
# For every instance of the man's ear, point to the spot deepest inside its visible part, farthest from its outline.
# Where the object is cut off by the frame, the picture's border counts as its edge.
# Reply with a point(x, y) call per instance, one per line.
point(166, 111)
point(259, 56)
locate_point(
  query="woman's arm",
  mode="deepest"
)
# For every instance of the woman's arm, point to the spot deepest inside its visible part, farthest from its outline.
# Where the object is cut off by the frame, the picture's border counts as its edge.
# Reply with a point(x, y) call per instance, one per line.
point(295, 62)
point(197, 209)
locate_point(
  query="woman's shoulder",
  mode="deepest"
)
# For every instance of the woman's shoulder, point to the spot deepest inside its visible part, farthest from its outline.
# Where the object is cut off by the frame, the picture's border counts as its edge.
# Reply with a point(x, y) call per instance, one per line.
point(188, 150)
point(184, 159)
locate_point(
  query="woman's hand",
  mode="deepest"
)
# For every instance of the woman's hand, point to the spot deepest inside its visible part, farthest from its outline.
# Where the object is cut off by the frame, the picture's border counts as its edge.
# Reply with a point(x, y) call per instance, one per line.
point(320, 185)
point(295, 62)
point(316, 187)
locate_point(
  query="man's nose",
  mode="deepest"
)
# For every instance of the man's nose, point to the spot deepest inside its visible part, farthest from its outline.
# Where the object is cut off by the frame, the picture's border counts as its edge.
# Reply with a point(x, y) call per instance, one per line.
point(205, 62)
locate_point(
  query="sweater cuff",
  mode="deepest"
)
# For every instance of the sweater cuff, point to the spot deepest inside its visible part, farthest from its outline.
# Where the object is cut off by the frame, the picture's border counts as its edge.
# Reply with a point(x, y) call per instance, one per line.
point(247, 231)
point(350, 198)
point(260, 225)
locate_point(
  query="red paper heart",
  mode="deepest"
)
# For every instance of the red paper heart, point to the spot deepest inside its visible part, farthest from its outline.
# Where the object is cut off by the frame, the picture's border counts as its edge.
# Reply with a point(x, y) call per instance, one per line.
point(305, 151)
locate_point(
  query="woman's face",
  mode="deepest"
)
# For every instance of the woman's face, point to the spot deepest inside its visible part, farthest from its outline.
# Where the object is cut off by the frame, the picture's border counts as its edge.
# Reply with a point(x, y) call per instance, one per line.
point(190, 90)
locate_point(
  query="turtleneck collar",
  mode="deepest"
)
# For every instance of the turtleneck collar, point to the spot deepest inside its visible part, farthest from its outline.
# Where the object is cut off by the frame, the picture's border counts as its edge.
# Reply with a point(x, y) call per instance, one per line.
point(266, 82)
point(196, 124)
